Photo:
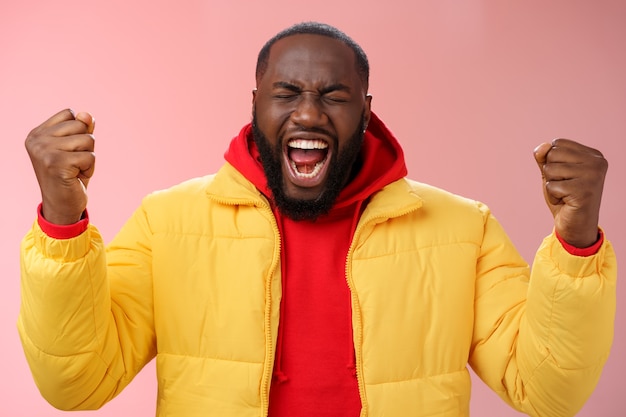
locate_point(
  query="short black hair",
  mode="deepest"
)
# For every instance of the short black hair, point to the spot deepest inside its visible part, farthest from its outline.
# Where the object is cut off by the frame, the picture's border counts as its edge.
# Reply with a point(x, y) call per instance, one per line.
point(315, 28)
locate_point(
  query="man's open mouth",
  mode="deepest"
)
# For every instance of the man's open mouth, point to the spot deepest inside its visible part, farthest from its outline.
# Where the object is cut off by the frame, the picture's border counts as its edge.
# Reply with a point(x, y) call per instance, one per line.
point(307, 159)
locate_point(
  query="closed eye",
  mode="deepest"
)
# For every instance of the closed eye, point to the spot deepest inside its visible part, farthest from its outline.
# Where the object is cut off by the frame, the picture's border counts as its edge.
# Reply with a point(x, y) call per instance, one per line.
point(336, 98)
point(285, 95)
point(336, 93)
point(284, 90)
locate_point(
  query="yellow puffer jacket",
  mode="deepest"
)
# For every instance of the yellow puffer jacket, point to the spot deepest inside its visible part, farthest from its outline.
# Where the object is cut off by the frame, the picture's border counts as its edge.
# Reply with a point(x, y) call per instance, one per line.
point(193, 278)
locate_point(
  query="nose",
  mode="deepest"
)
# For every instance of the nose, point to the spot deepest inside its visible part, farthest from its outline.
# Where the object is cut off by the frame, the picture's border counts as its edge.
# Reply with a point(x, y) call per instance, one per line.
point(309, 111)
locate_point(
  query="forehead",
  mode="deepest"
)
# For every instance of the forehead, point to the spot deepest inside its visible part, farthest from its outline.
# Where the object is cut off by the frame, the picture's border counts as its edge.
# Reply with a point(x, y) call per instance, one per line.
point(311, 58)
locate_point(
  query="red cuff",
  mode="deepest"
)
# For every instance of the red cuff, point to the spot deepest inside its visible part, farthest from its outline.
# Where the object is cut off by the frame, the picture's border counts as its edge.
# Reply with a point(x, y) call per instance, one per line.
point(588, 251)
point(62, 231)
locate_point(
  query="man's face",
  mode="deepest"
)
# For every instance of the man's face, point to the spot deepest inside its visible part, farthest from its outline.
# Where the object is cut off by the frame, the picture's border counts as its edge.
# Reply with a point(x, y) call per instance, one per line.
point(310, 109)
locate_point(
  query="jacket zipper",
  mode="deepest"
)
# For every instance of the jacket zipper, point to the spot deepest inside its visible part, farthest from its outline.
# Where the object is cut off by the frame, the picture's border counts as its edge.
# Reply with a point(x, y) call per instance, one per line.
point(269, 352)
point(267, 371)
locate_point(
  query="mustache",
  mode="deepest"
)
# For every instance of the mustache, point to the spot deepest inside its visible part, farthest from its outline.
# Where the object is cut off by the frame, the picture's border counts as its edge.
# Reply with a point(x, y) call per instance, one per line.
point(313, 129)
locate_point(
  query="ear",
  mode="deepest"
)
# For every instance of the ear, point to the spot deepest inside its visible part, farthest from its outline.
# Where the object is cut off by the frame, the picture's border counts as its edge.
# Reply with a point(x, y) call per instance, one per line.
point(367, 112)
point(253, 101)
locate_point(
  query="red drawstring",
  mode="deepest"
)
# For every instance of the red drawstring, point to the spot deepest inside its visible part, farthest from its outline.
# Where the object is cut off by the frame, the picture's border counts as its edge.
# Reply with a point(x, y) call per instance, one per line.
point(352, 364)
point(280, 377)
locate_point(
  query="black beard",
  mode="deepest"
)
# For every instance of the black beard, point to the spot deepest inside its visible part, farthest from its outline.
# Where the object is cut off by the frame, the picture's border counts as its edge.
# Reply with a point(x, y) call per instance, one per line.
point(343, 167)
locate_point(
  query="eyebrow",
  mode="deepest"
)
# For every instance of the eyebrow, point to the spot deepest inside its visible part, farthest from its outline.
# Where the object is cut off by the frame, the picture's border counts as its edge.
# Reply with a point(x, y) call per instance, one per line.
point(334, 87)
point(286, 85)
point(322, 91)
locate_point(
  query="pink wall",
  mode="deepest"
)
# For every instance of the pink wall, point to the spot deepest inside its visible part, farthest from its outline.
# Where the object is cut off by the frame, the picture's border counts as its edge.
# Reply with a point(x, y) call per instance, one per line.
point(469, 88)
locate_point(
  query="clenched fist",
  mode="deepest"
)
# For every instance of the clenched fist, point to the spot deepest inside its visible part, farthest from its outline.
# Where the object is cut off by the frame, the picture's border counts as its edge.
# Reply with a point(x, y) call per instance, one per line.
point(573, 179)
point(61, 150)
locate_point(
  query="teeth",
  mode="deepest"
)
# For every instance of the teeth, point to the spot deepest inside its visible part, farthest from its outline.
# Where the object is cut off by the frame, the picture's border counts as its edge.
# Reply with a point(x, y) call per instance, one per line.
point(316, 170)
point(307, 144)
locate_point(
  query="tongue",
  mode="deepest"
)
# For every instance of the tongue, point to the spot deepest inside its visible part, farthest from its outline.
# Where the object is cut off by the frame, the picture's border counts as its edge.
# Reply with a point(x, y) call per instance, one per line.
point(307, 156)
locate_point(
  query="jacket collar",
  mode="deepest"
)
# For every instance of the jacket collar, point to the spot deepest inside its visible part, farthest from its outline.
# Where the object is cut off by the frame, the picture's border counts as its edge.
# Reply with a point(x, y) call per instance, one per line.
point(394, 200)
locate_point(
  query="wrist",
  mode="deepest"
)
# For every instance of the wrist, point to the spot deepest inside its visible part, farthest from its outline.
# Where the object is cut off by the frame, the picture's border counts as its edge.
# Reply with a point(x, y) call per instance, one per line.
point(587, 250)
point(62, 231)
point(57, 218)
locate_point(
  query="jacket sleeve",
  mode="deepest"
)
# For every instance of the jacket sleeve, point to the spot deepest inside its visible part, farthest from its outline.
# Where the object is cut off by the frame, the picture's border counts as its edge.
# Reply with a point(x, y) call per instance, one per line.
point(86, 318)
point(540, 341)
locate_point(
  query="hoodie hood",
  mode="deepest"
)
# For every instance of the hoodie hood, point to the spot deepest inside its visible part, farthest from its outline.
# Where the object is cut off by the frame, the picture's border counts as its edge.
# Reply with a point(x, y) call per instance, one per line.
point(381, 156)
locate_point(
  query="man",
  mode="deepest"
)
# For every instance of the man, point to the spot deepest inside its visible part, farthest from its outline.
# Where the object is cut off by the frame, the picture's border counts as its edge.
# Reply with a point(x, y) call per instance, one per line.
point(309, 277)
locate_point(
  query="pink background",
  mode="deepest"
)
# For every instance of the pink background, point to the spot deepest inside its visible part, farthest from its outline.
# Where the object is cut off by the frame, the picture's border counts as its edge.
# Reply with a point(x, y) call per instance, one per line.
point(469, 88)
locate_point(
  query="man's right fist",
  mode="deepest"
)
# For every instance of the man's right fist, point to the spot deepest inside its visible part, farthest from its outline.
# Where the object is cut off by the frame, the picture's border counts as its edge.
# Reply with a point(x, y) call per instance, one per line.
point(61, 150)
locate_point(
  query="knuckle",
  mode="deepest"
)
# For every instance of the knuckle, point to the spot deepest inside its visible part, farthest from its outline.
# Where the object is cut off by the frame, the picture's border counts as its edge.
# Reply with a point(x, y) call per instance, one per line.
point(600, 165)
point(32, 138)
point(604, 164)
point(548, 170)
point(33, 145)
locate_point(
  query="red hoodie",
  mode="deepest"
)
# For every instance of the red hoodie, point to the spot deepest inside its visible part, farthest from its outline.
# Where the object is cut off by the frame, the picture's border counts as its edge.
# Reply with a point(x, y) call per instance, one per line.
point(314, 369)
